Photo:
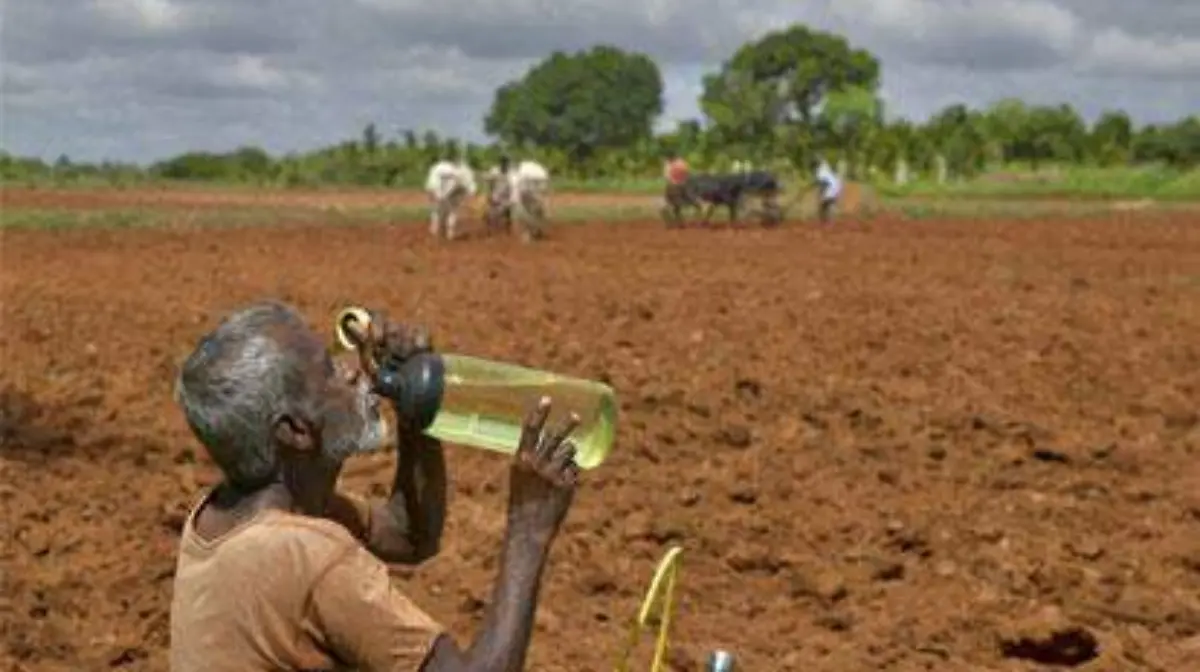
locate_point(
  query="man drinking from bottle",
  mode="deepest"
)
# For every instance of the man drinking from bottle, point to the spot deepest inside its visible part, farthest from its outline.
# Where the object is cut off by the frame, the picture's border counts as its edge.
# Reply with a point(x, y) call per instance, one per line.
point(279, 570)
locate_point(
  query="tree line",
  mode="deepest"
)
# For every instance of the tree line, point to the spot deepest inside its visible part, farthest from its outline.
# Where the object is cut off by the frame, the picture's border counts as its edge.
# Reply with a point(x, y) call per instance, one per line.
point(779, 101)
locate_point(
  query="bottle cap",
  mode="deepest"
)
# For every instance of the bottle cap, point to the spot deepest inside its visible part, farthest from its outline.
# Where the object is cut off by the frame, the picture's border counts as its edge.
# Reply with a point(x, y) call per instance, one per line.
point(416, 388)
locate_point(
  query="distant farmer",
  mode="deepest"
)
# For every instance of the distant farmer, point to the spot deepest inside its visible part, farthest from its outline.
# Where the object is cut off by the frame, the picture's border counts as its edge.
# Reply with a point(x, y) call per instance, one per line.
point(829, 188)
point(522, 192)
point(676, 172)
point(449, 185)
point(499, 214)
point(278, 569)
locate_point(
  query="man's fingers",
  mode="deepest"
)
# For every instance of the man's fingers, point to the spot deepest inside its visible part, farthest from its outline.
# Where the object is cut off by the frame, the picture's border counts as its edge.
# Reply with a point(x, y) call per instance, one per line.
point(404, 341)
point(560, 435)
point(561, 468)
point(552, 439)
point(421, 339)
point(564, 455)
point(379, 324)
point(568, 477)
point(531, 430)
point(410, 339)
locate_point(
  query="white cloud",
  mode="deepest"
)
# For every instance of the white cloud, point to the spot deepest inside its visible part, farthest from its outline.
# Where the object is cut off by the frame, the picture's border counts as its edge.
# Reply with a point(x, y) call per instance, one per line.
point(142, 79)
point(1117, 53)
point(149, 14)
point(981, 34)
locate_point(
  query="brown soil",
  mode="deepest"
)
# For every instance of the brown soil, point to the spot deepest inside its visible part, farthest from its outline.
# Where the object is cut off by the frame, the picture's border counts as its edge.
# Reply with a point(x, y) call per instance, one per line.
point(905, 446)
point(856, 200)
point(173, 197)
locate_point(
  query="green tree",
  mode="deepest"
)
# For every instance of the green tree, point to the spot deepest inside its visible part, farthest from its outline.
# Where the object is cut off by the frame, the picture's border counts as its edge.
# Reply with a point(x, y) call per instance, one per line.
point(1007, 124)
point(1055, 133)
point(1111, 138)
point(780, 81)
point(580, 103)
point(1177, 145)
point(850, 119)
point(411, 143)
point(959, 134)
point(897, 142)
point(370, 139)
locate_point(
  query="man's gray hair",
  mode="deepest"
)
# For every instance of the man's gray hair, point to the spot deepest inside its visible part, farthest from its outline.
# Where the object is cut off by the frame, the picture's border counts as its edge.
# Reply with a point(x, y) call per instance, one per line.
point(241, 377)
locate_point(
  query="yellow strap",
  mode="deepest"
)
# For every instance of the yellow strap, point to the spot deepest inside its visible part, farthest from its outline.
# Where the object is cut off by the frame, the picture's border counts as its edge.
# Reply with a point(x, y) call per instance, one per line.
point(661, 594)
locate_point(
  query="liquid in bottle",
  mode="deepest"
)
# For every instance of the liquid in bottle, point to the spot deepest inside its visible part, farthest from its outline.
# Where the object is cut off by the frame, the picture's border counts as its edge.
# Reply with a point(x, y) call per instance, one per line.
point(483, 404)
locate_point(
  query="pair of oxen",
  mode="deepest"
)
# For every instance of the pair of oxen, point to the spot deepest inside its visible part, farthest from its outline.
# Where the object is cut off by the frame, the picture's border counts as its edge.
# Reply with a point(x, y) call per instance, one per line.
point(706, 192)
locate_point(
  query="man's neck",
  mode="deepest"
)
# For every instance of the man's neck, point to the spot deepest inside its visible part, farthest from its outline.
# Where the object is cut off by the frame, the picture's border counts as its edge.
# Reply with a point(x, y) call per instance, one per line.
point(273, 496)
point(228, 507)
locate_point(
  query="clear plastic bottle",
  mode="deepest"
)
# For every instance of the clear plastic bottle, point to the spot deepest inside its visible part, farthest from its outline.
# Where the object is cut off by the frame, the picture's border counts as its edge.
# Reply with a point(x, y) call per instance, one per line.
point(484, 403)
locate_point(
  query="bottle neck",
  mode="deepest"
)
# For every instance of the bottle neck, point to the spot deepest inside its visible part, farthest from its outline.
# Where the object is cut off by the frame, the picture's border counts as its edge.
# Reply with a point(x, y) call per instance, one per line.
point(416, 388)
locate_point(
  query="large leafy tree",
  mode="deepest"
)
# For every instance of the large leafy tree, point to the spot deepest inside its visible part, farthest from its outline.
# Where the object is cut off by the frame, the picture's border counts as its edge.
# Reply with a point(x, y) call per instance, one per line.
point(850, 118)
point(1054, 133)
point(580, 103)
point(1175, 144)
point(959, 134)
point(1111, 138)
point(1006, 122)
point(781, 81)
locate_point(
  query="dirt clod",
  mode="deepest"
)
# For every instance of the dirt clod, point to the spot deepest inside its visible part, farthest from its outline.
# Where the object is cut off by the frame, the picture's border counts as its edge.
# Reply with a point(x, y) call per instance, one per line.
point(1061, 645)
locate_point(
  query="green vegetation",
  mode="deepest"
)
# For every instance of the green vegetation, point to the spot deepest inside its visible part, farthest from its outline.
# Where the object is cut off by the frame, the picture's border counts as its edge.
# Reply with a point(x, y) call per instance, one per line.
point(232, 216)
point(151, 217)
point(777, 102)
point(39, 218)
point(1063, 181)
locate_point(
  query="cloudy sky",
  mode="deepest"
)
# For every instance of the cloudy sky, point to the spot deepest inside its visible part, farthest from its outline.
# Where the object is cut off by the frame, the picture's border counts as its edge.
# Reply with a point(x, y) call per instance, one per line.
point(143, 79)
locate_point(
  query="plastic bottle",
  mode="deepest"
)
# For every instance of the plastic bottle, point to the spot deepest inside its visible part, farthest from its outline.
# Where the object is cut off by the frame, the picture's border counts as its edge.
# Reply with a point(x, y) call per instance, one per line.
point(483, 403)
point(478, 402)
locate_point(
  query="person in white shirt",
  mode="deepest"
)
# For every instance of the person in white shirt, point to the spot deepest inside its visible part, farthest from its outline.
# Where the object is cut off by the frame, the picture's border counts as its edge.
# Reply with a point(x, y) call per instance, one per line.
point(829, 187)
point(498, 180)
point(449, 185)
point(523, 189)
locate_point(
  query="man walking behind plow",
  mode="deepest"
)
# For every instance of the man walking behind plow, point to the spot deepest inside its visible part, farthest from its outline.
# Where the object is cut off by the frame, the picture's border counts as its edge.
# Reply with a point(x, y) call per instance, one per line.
point(520, 192)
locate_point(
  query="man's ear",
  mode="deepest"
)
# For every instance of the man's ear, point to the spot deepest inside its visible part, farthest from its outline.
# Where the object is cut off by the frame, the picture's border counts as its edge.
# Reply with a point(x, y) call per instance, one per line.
point(295, 434)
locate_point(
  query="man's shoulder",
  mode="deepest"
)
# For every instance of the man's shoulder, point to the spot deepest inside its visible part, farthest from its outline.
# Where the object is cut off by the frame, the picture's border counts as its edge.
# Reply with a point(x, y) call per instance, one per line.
point(308, 544)
point(312, 529)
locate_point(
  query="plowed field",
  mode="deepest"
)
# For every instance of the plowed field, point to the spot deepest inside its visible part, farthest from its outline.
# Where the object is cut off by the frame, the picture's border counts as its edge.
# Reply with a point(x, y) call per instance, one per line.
point(949, 445)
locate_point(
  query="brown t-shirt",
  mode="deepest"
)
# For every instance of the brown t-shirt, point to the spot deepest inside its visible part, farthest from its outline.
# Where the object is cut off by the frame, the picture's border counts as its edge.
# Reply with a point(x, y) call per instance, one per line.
point(288, 592)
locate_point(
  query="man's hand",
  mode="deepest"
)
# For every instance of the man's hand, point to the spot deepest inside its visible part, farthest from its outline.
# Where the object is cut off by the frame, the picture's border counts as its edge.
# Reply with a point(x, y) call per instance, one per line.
point(407, 527)
point(543, 476)
point(541, 486)
point(395, 343)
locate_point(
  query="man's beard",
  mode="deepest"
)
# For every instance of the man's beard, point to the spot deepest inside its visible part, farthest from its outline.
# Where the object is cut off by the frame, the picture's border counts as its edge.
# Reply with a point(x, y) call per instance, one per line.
point(367, 431)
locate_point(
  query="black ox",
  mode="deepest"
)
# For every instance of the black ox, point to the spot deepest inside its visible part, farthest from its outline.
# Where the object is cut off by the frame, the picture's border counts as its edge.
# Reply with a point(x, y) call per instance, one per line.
point(707, 192)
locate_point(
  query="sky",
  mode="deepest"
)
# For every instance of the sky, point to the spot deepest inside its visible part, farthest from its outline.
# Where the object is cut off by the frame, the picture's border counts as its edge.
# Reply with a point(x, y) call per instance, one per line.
point(140, 80)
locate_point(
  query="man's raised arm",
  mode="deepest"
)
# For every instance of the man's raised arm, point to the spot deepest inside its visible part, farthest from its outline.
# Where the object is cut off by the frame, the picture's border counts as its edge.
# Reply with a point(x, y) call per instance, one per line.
point(541, 489)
